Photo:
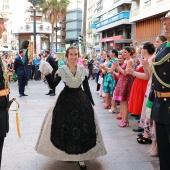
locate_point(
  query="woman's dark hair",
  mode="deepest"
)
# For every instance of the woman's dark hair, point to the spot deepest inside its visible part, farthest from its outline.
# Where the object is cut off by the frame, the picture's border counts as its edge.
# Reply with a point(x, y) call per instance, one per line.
point(21, 51)
point(72, 47)
point(162, 38)
point(115, 52)
point(127, 48)
point(149, 47)
point(108, 55)
point(133, 50)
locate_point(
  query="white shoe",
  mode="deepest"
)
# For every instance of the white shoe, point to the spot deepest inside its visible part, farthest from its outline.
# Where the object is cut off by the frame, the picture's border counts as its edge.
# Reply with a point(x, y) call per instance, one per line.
point(110, 110)
point(113, 111)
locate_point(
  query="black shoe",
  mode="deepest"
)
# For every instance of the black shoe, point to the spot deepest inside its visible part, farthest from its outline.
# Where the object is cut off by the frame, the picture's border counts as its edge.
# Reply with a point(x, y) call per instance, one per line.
point(82, 165)
point(140, 134)
point(139, 129)
point(48, 94)
point(20, 95)
point(24, 95)
point(52, 94)
point(137, 118)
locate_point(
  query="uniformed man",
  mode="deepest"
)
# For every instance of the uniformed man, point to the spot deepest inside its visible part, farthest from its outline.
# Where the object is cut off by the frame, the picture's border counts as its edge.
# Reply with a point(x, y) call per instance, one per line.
point(4, 95)
point(159, 98)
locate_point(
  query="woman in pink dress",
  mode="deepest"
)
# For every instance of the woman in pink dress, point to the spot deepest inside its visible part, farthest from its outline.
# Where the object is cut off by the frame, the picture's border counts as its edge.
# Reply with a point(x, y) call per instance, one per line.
point(81, 61)
point(123, 87)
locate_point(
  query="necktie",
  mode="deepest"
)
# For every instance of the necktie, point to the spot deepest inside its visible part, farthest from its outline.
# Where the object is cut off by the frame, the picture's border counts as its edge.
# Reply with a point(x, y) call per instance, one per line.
point(168, 44)
point(22, 60)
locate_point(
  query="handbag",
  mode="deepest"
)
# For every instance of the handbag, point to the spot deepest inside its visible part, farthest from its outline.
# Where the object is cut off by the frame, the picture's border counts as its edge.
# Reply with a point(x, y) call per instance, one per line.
point(14, 77)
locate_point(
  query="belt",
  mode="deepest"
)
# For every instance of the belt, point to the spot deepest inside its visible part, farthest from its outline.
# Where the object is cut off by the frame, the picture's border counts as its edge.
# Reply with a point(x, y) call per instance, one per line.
point(162, 94)
point(4, 92)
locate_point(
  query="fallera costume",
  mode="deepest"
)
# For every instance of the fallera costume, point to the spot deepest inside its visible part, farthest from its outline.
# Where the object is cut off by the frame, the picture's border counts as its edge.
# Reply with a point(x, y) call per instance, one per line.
point(137, 93)
point(70, 131)
point(123, 87)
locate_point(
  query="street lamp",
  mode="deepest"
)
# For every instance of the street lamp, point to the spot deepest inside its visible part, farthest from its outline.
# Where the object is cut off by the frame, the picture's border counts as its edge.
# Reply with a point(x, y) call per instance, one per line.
point(57, 28)
point(34, 3)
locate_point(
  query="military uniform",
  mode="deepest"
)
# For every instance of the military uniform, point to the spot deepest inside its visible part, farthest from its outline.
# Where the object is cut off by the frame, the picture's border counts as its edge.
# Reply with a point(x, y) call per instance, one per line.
point(4, 100)
point(160, 96)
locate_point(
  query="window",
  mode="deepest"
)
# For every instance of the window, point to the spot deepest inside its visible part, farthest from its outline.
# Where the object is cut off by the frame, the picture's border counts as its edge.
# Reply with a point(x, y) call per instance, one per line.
point(4, 7)
point(99, 6)
point(5, 25)
point(63, 37)
point(4, 38)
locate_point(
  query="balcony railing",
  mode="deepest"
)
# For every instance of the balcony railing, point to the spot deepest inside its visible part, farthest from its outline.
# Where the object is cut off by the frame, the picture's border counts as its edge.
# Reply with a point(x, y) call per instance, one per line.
point(119, 16)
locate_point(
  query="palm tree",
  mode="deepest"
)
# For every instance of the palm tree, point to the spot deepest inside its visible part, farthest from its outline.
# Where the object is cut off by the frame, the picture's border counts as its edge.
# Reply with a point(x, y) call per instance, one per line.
point(54, 11)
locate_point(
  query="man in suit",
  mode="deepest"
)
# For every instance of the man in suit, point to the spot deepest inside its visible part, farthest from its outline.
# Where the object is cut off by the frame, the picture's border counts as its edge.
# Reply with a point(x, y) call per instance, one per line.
point(20, 69)
point(159, 97)
point(90, 67)
point(51, 61)
point(4, 95)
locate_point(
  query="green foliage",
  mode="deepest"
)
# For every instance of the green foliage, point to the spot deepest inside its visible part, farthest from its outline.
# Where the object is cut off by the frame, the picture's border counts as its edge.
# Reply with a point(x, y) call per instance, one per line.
point(54, 9)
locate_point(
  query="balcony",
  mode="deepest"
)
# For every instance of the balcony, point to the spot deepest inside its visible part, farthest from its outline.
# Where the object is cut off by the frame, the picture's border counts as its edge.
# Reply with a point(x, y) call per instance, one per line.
point(117, 17)
point(89, 30)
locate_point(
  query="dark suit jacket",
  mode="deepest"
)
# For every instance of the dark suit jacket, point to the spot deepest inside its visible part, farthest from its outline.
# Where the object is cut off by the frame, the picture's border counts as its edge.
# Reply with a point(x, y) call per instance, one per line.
point(90, 64)
point(51, 61)
point(161, 106)
point(19, 67)
point(4, 123)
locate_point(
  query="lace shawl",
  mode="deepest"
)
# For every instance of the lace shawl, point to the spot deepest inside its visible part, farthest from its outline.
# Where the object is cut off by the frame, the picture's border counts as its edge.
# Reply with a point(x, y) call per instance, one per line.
point(69, 79)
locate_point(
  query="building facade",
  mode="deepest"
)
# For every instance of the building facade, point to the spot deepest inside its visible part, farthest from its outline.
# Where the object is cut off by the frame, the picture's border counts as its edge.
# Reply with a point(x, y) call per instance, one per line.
point(6, 36)
point(73, 22)
point(145, 16)
point(111, 27)
point(25, 32)
point(89, 21)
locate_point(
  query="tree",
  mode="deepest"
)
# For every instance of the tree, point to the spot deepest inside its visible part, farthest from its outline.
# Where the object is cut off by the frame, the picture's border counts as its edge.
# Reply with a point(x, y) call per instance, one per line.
point(54, 11)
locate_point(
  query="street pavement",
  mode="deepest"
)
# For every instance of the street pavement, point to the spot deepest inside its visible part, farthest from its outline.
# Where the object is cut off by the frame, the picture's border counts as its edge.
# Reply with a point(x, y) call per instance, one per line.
point(123, 151)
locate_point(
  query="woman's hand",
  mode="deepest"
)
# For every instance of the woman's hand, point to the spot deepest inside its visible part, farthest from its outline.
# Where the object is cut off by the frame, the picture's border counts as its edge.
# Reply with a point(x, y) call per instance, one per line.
point(144, 62)
point(115, 64)
point(102, 66)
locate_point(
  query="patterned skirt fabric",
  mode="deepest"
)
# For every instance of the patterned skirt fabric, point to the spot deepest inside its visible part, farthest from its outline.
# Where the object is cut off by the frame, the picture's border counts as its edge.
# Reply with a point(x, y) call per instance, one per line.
point(73, 129)
point(70, 130)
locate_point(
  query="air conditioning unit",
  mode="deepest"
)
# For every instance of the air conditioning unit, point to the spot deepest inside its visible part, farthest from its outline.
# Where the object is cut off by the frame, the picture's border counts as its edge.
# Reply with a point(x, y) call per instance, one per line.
point(41, 26)
point(27, 26)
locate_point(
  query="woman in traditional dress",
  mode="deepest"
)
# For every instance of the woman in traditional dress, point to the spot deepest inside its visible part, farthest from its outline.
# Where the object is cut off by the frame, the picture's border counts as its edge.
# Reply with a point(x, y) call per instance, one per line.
point(70, 131)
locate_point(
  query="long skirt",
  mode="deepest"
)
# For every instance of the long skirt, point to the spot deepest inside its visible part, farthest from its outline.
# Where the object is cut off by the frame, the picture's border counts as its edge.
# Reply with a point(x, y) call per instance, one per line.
point(70, 130)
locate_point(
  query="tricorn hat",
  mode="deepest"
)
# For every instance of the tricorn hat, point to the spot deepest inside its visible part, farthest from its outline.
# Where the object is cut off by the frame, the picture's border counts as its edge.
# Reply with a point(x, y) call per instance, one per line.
point(166, 16)
point(4, 19)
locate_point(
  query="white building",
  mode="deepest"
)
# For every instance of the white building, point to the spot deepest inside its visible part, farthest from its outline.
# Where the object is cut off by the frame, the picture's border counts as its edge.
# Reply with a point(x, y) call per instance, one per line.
point(6, 36)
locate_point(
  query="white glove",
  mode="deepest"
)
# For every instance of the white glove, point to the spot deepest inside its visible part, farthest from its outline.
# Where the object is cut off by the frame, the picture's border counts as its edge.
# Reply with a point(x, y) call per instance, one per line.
point(45, 68)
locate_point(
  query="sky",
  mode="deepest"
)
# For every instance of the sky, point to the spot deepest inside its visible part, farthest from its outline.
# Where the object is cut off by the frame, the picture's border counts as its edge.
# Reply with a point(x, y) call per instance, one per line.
point(18, 7)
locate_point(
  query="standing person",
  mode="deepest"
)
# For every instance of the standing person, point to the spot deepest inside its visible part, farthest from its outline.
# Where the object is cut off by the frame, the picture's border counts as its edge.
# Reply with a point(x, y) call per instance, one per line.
point(20, 69)
point(36, 63)
point(90, 67)
point(4, 95)
point(108, 79)
point(71, 132)
point(51, 61)
point(124, 84)
point(159, 97)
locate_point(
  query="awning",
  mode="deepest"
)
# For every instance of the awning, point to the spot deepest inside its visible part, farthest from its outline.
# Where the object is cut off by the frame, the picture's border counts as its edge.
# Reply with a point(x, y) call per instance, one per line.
point(119, 37)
